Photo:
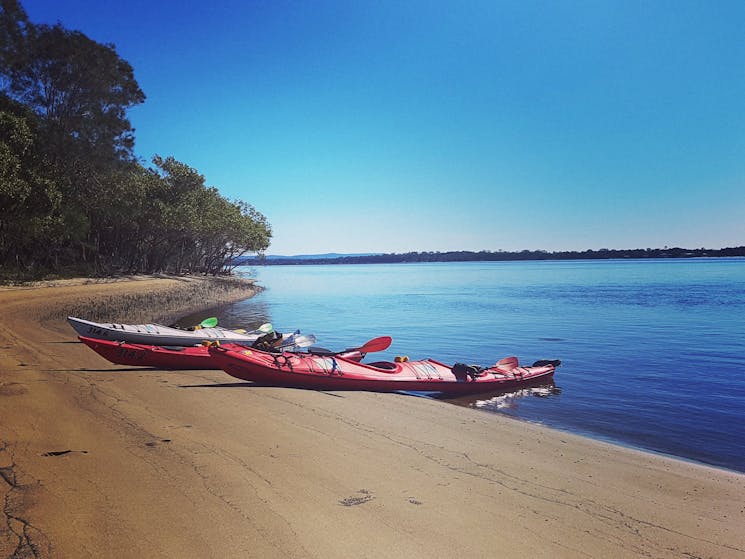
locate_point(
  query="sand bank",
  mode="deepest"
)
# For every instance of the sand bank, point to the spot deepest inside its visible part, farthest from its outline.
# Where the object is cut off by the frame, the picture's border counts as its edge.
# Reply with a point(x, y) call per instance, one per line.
point(99, 460)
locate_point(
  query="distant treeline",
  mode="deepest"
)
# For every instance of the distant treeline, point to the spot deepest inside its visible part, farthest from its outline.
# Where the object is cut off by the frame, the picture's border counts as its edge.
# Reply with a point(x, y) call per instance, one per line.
point(486, 256)
point(74, 199)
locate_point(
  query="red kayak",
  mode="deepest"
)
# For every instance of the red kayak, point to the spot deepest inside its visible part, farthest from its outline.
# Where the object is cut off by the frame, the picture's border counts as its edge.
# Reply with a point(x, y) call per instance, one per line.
point(334, 372)
point(165, 357)
point(143, 355)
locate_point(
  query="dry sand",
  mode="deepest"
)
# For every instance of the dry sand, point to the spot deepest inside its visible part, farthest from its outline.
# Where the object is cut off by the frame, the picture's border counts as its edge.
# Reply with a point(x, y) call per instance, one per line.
point(195, 464)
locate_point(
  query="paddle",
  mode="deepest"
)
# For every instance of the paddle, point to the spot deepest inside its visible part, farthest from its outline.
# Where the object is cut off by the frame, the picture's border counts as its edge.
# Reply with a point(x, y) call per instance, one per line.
point(507, 364)
point(206, 323)
point(263, 329)
point(376, 344)
point(209, 322)
point(297, 340)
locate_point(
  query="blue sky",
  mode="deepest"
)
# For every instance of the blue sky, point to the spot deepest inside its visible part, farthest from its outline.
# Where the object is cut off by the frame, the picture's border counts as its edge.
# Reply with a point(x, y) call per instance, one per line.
point(397, 126)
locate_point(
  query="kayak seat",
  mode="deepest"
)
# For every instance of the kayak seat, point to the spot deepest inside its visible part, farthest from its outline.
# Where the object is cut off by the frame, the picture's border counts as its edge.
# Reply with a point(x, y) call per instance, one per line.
point(461, 371)
point(386, 365)
point(544, 362)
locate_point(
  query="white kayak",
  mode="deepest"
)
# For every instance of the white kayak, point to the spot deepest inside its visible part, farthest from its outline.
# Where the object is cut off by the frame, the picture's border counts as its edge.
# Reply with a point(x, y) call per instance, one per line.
point(157, 334)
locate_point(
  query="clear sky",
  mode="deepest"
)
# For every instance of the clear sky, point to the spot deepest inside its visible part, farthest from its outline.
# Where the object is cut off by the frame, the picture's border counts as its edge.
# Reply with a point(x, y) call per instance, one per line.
point(395, 126)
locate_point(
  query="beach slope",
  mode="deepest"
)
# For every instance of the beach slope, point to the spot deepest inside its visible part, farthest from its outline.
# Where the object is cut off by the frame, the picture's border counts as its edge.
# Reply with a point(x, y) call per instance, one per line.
point(99, 460)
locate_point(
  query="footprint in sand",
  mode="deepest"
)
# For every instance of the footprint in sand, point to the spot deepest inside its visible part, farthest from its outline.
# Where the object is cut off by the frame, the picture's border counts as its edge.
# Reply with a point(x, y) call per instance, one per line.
point(155, 442)
point(63, 452)
point(354, 500)
point(12, 389)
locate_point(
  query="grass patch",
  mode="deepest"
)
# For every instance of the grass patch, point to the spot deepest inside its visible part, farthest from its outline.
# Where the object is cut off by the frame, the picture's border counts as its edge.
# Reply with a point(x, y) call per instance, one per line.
point(164, 304)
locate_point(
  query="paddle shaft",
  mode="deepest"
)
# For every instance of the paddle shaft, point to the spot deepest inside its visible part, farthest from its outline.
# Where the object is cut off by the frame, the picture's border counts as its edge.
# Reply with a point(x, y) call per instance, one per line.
point(376, 344)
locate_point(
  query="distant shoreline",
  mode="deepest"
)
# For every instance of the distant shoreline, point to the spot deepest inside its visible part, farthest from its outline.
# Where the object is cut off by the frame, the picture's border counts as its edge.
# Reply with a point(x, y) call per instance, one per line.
point(488, 256)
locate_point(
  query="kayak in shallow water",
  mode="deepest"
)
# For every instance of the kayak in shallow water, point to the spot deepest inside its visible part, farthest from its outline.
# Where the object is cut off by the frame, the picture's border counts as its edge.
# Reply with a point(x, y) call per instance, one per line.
point(334, 372)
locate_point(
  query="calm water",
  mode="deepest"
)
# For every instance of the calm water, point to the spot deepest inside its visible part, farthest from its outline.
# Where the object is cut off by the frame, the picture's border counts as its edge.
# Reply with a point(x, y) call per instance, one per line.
point(653, 352)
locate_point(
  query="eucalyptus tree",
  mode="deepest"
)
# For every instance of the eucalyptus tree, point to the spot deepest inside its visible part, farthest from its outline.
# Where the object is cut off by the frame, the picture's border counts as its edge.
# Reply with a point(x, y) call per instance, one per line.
point(31, 202)
point(231, 229)
point(71, 189)
point(80, 91)
point(200, 230)
point(80, 88)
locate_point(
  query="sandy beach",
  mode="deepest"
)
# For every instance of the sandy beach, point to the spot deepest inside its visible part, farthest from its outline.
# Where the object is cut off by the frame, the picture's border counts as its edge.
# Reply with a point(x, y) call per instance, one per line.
point(100, 460)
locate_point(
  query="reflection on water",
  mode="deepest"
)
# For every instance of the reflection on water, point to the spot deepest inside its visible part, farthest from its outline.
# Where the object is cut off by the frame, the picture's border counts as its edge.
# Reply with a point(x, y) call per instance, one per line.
point(507, 400)
point(249, 317)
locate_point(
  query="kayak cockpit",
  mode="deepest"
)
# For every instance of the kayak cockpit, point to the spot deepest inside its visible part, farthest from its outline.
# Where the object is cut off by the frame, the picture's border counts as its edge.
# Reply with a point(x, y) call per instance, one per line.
point(385, 366)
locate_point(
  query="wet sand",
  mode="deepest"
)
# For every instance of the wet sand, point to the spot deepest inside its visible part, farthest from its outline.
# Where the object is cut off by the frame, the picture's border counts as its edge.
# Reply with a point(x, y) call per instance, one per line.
point(100, 460)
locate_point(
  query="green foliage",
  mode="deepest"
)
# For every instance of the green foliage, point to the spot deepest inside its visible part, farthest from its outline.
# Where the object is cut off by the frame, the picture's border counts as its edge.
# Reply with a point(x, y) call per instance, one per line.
point(15, 140)
point(203, 229)
point(73, 197)
point(31, 201)
point(81, 88)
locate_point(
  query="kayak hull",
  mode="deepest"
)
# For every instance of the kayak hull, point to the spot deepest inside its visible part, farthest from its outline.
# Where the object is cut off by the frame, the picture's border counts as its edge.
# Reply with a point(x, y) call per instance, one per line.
point(336, 373)
point(157, 334)
point(164, 357)
point(148, 355)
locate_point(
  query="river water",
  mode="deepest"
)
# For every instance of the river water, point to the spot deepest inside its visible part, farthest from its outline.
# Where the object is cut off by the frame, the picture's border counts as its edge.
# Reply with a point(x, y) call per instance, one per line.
point(653, 351)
